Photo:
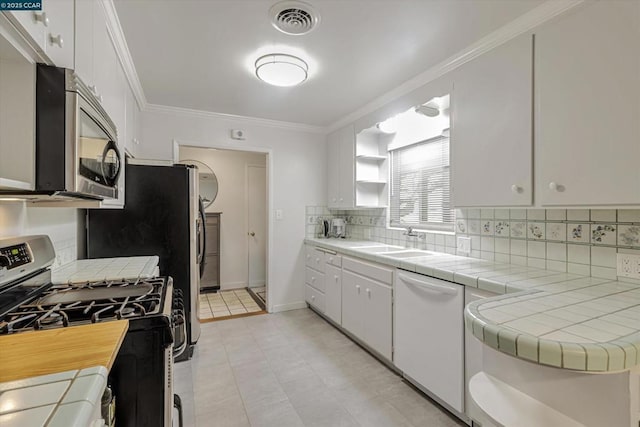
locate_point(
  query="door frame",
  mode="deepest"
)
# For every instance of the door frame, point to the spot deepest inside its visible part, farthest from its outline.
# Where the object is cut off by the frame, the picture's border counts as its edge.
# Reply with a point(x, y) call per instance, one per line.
point(246, 216)
point(177, 143)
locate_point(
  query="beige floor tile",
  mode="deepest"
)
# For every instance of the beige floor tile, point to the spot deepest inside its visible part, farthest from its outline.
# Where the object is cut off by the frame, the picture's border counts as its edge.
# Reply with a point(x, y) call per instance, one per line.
point(294, 369)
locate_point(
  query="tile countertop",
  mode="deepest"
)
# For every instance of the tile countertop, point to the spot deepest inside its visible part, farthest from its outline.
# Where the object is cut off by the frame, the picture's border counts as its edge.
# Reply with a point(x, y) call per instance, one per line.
point(556, 319)
point(89, 270)
point(64, 399)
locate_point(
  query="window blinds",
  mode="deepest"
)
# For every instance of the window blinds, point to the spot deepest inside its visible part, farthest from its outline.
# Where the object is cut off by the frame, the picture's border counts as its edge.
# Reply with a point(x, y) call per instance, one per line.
point(420, 189)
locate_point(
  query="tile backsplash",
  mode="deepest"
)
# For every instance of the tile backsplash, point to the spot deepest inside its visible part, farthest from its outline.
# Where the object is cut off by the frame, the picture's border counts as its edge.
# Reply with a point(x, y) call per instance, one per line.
point(60, 224)
point(580, 241)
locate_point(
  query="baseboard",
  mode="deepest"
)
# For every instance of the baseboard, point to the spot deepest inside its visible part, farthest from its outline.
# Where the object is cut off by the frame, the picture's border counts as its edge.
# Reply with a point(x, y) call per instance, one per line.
point(232, 285)
point(286, 307)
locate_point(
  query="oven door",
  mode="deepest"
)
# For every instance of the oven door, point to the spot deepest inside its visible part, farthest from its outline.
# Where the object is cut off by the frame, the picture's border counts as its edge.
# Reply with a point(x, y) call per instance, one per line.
point(98, 158)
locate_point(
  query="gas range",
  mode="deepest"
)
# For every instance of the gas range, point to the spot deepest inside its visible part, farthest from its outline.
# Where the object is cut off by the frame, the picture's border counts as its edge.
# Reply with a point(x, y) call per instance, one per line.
point(141, 376)
point(64, 305)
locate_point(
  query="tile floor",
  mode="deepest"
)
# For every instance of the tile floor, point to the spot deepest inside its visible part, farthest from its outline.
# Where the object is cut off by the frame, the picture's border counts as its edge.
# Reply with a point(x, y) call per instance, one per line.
point(227, 303)
point(293, 369)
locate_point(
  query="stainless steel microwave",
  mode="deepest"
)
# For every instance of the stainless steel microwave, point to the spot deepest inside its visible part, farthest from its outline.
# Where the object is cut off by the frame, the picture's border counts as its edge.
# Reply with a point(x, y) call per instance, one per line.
point(76, 155)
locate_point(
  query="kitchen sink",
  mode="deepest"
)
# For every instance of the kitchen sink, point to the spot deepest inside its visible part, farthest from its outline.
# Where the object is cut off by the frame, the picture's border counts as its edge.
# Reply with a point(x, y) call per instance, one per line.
point(377, 249)
point(406, 254)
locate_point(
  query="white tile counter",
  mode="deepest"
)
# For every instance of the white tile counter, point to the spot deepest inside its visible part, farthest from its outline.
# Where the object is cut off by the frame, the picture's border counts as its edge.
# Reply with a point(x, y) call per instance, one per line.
point(555, 319)
point(65, 399)
point(86, 270)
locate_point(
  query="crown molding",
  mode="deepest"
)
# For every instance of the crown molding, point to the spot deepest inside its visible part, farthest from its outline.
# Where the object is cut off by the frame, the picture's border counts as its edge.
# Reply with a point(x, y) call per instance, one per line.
point(156, 108)
point(122, 50)
point(535, 17)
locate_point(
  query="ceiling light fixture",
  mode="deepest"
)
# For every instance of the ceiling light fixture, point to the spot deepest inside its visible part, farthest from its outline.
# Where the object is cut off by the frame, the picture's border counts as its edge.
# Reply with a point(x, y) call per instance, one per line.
point(281, 69)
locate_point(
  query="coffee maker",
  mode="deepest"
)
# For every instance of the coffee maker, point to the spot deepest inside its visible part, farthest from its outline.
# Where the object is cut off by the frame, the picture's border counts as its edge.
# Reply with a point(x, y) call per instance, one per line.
point(338, 227)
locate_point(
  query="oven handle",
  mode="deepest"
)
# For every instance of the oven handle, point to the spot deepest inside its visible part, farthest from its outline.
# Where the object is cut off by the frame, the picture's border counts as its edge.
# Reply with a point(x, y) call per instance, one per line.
point(177, 403)
point(179, 320)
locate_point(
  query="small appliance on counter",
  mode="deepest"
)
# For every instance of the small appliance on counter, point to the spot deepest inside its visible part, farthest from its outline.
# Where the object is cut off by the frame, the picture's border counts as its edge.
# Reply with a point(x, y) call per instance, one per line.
point(142, 375)
point(338, 227)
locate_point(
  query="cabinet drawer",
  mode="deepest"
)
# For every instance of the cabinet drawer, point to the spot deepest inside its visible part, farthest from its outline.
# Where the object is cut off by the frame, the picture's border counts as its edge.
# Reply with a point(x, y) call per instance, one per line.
point(314, 258)
point(373, 271)
point(332, 259)
point(315, 279)
point(314, 297)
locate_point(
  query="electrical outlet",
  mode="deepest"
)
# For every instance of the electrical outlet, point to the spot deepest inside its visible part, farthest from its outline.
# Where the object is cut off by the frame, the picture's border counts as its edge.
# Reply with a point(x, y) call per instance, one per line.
point(463, 245)
point(628, 265)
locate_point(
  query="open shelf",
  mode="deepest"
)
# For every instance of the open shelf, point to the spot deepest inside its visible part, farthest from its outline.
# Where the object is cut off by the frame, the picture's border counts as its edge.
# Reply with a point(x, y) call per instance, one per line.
point(371, 181)
point(371, 157)
point(506, 405)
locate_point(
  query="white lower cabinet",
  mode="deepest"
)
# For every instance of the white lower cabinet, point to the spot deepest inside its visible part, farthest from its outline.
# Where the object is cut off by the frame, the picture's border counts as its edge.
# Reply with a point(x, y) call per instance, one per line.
point(333, 293)
point(314, 297)
point(367, 307)
point(429, 335)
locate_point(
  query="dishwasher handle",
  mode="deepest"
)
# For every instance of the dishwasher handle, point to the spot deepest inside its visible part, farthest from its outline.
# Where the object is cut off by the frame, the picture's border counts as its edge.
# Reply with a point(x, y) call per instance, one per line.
point(429, 287)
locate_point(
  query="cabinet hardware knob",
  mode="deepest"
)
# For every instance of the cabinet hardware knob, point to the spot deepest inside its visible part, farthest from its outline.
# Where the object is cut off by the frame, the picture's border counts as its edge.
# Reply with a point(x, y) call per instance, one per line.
point(41, 17)
point(56, 40)
point(313, 279)
point(252, 234)
point(516, 189)
point(313, 297)
point(554, 186)
point(341, 199)
point(358, 288)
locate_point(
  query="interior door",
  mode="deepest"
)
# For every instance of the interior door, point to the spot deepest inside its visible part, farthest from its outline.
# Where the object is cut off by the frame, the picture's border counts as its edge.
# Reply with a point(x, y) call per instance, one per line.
point(257, 224)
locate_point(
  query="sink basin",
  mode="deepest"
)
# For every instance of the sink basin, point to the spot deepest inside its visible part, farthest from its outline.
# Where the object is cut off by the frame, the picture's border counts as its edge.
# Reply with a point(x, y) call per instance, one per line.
point(406, 254)
point(377, 249)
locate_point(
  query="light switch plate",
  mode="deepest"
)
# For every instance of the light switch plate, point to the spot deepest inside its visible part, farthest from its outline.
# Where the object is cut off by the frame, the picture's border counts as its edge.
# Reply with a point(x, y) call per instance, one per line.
point(463, 244)
point(628, 265)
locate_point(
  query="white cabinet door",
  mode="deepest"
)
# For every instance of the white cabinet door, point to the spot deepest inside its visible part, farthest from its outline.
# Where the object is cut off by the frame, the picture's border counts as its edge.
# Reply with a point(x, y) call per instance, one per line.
point(377, 317)
point(340, 168)
point(352, 304)
point(59, 37)
point(84, 40)
point(34, 24)
point(333, 293)
point(346, 161)
point(104, 60)
point(333, 178)
point(491, 142)
point(587, 81)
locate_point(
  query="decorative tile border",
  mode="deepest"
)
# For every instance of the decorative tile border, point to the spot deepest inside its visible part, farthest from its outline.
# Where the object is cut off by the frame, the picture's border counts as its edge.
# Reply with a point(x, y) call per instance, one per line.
point(503, 235)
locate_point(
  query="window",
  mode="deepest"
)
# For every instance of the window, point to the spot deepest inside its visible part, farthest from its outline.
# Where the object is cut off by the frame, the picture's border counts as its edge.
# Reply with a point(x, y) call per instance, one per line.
point(420, 190)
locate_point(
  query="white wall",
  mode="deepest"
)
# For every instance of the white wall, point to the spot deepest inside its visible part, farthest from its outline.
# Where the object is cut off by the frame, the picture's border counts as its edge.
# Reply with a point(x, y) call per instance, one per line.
point(230, 169)
point(298, 179)
point(60, 224)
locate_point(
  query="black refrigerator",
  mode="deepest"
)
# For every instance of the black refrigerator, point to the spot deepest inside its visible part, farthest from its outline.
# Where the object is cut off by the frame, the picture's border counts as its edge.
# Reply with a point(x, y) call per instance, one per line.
point(163, 215)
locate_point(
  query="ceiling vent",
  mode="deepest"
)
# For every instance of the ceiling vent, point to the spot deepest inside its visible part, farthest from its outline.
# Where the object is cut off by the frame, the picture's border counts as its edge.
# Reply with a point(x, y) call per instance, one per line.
point(294, 17)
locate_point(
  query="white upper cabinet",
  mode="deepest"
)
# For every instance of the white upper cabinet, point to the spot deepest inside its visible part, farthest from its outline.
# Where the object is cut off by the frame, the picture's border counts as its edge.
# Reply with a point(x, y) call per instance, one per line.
point(340, 168)
point(60, 34)
point(587, 69)
point(84, 40)
point(51, 30)
point(491, 134)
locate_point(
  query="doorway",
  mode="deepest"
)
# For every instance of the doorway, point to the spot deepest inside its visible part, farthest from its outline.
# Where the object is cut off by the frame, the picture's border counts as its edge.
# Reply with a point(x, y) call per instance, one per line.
point(242, 209)
point(257, 229)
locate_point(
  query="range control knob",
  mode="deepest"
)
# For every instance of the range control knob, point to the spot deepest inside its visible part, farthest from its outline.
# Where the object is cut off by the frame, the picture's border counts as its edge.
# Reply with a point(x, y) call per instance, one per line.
point(4, 261)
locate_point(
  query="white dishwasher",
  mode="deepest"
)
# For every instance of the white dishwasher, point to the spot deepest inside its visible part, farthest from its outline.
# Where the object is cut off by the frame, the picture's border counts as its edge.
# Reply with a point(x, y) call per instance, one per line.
point(429, 336)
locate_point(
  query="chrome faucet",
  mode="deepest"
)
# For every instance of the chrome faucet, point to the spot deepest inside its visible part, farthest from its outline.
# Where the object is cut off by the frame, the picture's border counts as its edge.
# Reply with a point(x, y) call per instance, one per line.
point(411, 233)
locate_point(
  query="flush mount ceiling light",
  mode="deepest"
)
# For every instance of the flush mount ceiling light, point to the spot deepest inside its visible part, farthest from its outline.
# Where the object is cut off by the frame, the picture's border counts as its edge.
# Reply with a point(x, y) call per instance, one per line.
point(280, 69)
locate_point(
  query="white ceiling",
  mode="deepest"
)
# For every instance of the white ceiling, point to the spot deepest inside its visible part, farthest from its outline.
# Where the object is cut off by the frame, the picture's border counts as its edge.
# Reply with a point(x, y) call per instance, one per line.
point(198, 53)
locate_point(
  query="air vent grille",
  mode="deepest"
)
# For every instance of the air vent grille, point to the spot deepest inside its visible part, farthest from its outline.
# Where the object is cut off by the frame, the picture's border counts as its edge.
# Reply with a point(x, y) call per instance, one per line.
point(294, 17)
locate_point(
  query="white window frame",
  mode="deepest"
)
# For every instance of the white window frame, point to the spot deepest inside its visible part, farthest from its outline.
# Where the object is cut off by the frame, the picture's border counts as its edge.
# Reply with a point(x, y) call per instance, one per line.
point(439, 226)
